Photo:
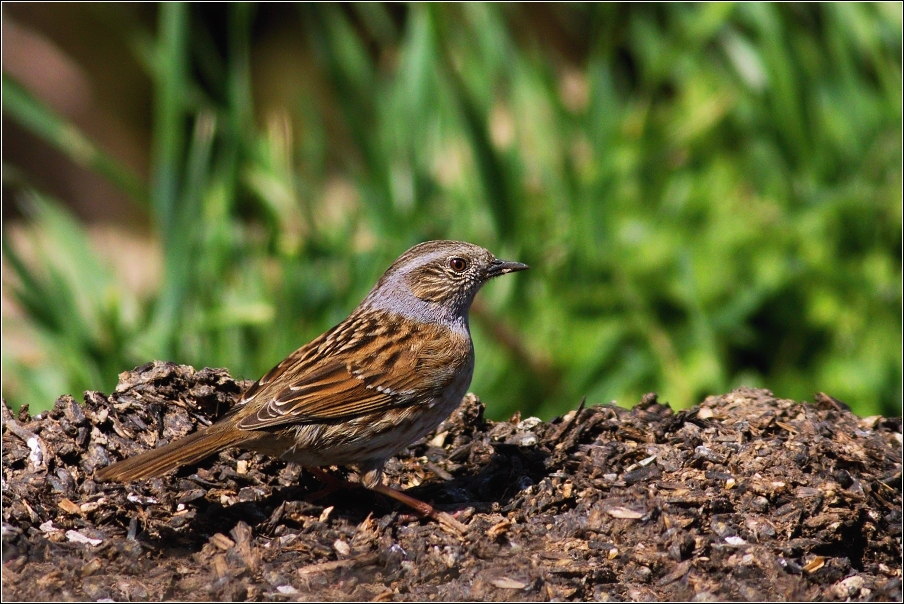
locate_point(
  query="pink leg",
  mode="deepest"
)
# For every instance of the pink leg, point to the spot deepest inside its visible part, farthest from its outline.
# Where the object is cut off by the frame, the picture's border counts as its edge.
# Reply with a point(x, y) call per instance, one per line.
point(333, 484)
point(421, 507)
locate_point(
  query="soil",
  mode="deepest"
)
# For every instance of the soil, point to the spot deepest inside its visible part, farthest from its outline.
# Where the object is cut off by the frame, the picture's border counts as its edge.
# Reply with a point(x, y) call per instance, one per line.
point(743, 497)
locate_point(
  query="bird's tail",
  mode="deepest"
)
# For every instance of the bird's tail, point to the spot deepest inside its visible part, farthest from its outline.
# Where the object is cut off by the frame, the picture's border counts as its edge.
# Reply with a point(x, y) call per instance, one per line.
point(156, 462)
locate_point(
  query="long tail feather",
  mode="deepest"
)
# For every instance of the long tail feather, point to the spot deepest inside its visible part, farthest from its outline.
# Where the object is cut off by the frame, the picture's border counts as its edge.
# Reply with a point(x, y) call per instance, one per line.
point(156, 462)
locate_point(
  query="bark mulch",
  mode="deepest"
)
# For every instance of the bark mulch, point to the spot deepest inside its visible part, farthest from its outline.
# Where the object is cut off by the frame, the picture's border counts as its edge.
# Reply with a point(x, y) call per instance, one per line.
point(744, 497)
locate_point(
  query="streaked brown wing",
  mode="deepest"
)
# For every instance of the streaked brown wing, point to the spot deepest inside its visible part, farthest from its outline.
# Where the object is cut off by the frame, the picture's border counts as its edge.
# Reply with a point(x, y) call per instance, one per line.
point(362, 366)
point(329, 394)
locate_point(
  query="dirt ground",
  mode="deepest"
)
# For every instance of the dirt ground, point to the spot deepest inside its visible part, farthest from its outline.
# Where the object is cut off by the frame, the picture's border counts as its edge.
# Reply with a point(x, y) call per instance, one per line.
point(743, 497)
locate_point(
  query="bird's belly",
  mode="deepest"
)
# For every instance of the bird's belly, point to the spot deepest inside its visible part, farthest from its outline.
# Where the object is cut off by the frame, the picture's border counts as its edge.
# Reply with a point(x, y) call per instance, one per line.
point(370, 437)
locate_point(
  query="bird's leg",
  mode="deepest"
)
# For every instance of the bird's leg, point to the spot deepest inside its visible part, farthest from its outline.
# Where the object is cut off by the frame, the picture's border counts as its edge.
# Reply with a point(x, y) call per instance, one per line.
point(372, 478)
point(421, 507)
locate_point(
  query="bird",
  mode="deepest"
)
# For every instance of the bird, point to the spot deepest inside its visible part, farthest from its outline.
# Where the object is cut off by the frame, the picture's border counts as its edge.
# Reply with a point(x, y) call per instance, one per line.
point(364, 390)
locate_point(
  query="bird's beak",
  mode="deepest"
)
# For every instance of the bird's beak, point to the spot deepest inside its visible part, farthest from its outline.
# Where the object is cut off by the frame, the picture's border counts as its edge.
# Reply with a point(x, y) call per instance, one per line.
point(503, 267)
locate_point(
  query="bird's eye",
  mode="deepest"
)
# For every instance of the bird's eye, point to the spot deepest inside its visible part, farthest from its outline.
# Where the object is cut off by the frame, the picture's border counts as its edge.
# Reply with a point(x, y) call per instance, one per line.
point(458, 264)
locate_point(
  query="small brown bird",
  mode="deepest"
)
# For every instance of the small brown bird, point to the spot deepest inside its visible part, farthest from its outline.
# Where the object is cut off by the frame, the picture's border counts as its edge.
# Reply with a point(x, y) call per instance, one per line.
point(367, 388)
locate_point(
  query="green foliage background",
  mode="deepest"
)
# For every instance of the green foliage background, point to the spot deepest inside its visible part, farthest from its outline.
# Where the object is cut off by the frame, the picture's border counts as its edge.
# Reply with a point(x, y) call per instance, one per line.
point(709, 196)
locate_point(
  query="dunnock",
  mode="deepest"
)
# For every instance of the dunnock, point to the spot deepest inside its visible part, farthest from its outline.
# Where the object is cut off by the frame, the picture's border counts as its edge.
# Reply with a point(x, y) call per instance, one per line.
point(364, 390)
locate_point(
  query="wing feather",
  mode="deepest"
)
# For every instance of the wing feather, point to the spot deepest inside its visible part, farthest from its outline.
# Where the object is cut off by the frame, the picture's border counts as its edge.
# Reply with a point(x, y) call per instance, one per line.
point(370, 363)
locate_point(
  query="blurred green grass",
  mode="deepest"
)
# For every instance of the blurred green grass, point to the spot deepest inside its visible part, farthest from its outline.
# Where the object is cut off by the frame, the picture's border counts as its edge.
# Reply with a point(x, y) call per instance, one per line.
point(709, 196)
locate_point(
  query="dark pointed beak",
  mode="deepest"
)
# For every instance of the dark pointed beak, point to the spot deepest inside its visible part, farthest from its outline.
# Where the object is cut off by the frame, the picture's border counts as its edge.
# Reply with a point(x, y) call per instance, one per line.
point(503, 267)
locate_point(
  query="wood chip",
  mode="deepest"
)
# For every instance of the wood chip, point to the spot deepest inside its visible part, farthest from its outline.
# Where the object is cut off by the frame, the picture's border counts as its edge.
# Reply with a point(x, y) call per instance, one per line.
point(567, 490)
point(94, 565)
point(222, 541)
point(77, 537)
point(69, 507)
point(815, 564)
point(623, 512)
point(507, 583)
point(498, 529)
point(341, 547)
point(337, 564)
point(439, 440)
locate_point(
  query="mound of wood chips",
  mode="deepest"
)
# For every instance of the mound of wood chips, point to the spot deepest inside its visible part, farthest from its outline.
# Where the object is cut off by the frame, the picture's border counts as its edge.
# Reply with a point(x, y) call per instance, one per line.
point(744, 497)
